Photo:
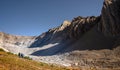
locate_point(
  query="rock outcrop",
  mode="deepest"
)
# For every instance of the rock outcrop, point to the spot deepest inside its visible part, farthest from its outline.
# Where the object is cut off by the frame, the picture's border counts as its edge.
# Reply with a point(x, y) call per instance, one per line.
point(54, 35)
point(81, 25)
point(110, 18)
point(108, 22)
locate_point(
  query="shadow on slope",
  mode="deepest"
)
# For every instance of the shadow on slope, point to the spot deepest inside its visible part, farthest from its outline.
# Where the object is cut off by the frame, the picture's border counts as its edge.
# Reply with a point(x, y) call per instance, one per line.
point(92, 40)
point(51, 37)
point(53, 50)
point(41, 40)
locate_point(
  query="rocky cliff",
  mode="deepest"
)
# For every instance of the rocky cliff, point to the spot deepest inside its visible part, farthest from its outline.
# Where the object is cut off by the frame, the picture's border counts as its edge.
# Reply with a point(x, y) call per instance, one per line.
point(110, 18)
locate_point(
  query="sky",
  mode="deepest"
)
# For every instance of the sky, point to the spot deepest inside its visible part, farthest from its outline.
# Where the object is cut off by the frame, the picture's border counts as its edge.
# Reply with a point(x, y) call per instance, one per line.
point(33, 17)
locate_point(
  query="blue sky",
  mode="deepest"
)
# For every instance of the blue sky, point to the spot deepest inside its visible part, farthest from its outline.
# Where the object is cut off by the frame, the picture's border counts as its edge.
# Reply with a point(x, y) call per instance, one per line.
point(33, 17)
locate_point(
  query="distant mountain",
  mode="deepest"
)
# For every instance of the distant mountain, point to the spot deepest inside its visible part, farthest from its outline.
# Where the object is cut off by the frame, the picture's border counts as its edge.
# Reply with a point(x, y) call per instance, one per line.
point(87, 41)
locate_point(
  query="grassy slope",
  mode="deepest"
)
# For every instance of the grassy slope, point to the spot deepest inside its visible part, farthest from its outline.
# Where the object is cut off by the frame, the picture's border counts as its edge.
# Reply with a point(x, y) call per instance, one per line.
point(9, 61)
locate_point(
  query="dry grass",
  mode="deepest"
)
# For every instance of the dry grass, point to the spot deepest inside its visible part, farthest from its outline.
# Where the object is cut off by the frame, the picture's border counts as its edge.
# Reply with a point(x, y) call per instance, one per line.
point(13, 62)
point(9, 61)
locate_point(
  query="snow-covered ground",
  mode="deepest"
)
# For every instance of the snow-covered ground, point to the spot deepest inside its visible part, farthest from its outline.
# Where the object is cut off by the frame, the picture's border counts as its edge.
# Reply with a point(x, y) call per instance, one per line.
point(54, 59)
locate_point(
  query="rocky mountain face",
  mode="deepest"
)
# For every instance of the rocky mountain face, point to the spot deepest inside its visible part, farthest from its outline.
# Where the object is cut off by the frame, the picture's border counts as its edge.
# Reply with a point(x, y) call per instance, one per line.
point(110, 18)
point(94, 38)
point(16, 40)
point(54, 35)
point(80, 25)
point(13, 42)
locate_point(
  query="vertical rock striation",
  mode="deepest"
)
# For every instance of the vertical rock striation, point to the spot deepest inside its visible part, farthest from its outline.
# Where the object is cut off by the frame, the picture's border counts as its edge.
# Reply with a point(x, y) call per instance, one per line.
point(110, 18)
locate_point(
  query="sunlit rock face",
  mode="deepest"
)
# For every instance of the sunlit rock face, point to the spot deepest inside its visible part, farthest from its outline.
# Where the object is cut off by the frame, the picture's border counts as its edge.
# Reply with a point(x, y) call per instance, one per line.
point(13, 42)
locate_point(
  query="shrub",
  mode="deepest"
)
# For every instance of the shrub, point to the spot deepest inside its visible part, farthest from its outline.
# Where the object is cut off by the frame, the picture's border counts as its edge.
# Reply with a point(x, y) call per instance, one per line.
point(9, 53)
point(27, 57)
point(52, 65)
point(41, 64)
point(1, 49)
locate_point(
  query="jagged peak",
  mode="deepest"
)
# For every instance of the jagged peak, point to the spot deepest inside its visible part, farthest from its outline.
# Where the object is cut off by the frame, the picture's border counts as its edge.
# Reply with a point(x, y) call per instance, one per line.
point(110, 18)
point(80, 25)
point(83, 20)
point(108, 1)
point(66, 23)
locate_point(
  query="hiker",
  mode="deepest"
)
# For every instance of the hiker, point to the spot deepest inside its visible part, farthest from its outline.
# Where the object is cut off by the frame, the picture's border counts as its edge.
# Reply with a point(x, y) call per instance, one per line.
point(21, 55)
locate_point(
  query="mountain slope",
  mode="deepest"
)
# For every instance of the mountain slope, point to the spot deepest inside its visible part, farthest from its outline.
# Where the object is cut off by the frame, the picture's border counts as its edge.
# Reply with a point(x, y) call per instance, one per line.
point(84, 42)
point(88, 32)
point(10, 61)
